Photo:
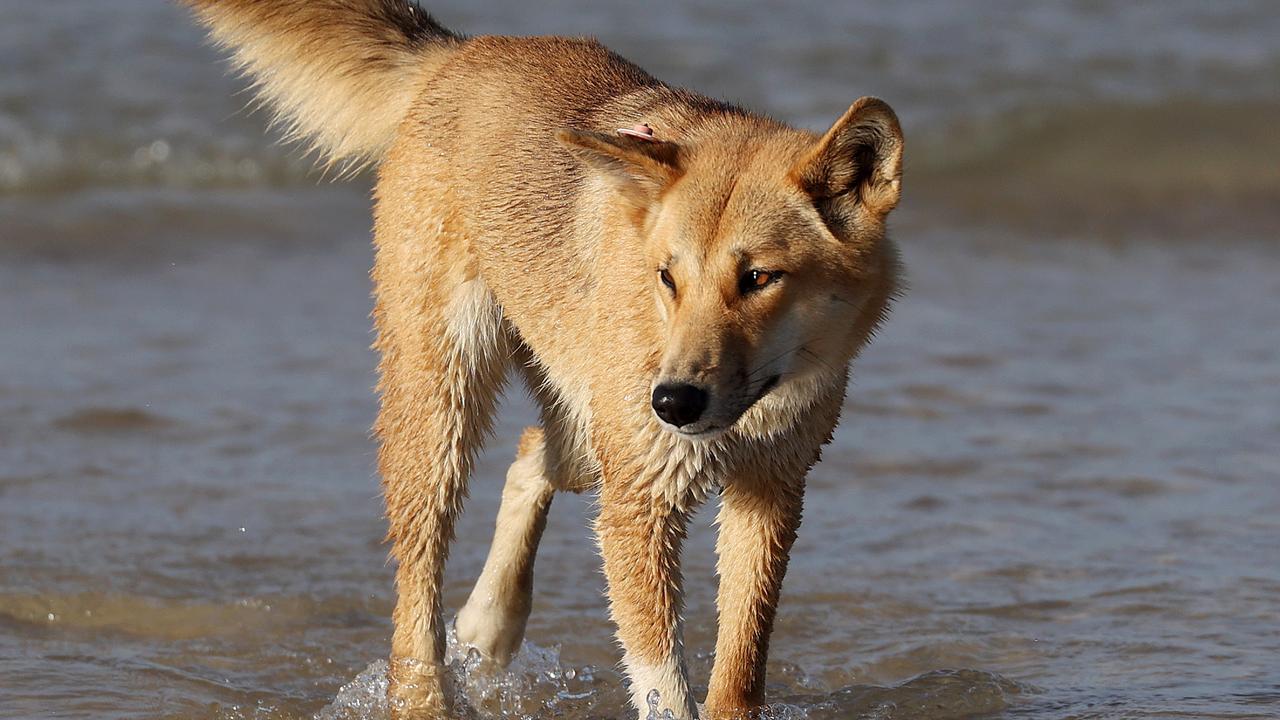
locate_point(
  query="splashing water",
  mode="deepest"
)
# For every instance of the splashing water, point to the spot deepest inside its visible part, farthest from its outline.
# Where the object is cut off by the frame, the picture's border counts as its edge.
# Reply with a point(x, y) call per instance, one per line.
point(534, 684)
point(538, 685)
point(652, 700)
point(364, 698)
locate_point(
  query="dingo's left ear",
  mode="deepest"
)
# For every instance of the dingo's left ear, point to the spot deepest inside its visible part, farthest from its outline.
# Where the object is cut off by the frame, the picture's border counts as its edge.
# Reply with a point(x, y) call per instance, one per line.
point(857, 162)
point(639, 168)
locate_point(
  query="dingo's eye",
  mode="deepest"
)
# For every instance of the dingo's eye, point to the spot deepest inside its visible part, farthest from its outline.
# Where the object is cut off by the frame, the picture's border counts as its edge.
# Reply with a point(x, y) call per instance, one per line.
point(665, 275)
point(753, 280)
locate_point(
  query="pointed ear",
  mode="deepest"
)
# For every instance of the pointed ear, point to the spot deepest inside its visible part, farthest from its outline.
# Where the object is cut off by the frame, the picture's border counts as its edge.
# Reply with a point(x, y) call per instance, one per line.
point(638, 168)
point(857, 163)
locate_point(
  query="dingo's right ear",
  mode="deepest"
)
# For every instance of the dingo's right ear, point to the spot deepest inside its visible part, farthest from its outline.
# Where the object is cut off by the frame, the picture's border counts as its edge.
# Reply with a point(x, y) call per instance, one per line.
point(858, 162)
point(639, 168)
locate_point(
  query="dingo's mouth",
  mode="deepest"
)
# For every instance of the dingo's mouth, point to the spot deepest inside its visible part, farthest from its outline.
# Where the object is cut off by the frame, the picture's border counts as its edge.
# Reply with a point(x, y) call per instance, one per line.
point(768, 385)
point(713, 431)
point(703, 434)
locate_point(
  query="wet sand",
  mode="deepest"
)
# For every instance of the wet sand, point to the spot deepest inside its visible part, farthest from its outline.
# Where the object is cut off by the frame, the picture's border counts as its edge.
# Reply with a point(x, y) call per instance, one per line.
point(1055, 492)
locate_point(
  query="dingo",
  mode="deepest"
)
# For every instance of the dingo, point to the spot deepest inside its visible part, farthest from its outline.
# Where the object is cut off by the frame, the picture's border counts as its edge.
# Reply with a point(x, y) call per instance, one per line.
point(681, 283)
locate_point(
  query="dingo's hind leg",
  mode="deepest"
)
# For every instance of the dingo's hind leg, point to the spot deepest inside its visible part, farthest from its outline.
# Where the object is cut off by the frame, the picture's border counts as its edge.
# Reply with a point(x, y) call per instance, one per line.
point(493, 620)
point(551, 458)
point(445, 349)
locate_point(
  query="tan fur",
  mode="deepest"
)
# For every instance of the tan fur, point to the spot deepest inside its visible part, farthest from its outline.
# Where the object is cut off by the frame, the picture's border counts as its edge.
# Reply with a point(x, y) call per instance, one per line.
point(341, 73)
point(516, 229)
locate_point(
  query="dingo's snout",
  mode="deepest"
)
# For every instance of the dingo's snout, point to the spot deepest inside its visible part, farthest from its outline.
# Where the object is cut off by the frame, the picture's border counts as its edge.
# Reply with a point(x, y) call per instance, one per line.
point(679, 404)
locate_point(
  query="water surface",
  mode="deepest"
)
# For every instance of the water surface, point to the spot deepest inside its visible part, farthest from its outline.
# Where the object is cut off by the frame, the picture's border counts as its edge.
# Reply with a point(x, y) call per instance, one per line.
point(1055, 492)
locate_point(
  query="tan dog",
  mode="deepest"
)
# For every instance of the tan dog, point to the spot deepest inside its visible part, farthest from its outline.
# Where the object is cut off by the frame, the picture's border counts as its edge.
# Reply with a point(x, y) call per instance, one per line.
point(681, 283)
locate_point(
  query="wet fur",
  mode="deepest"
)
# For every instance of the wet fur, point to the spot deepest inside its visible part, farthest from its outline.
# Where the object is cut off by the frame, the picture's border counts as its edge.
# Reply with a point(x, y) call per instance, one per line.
point(518, 233)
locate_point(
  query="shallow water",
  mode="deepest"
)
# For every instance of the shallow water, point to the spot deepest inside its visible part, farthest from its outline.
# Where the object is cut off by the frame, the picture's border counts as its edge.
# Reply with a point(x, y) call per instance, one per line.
point(1055, 492)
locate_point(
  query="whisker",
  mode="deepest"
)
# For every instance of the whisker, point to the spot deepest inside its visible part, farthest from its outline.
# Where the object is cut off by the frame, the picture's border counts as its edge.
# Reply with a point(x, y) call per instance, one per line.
point(752, 375)
point(813, 357)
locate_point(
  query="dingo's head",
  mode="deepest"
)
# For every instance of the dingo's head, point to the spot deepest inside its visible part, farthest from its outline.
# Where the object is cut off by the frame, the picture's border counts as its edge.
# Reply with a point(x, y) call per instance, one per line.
point(767, 257)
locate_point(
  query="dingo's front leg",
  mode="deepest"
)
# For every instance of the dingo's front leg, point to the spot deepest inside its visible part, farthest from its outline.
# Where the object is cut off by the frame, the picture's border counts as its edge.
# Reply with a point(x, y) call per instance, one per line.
point(640, 537)
point(758, 521)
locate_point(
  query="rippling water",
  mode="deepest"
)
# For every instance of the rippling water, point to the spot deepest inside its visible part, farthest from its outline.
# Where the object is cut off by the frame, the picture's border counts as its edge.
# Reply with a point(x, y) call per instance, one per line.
point(1055, 494)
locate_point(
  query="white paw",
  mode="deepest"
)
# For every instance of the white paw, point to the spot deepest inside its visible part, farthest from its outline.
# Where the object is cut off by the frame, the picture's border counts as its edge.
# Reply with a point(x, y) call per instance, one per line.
point(495, 632)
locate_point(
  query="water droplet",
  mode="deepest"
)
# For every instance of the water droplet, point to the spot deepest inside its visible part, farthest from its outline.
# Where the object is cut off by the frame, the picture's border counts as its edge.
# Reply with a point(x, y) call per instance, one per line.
point(159, 151)
point(652, 700)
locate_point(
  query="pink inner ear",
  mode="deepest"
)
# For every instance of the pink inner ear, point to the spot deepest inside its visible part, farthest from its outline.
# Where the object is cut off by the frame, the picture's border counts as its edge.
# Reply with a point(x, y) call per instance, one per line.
point(641, 131)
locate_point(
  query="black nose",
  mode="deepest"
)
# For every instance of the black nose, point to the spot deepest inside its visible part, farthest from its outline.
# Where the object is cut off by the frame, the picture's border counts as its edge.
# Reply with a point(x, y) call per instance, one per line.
point(679, 403)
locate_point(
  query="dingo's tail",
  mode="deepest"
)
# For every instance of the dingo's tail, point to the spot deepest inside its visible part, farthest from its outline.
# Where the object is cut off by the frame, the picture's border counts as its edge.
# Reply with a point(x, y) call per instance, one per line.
point(341, 73)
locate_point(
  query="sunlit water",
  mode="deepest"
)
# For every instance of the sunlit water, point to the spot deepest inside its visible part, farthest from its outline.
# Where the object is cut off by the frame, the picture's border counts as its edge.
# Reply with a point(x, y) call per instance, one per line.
point(1055, 492)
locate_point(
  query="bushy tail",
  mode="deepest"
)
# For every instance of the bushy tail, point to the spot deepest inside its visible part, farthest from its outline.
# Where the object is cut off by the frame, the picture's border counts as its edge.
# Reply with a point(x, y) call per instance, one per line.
point(341, 73)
